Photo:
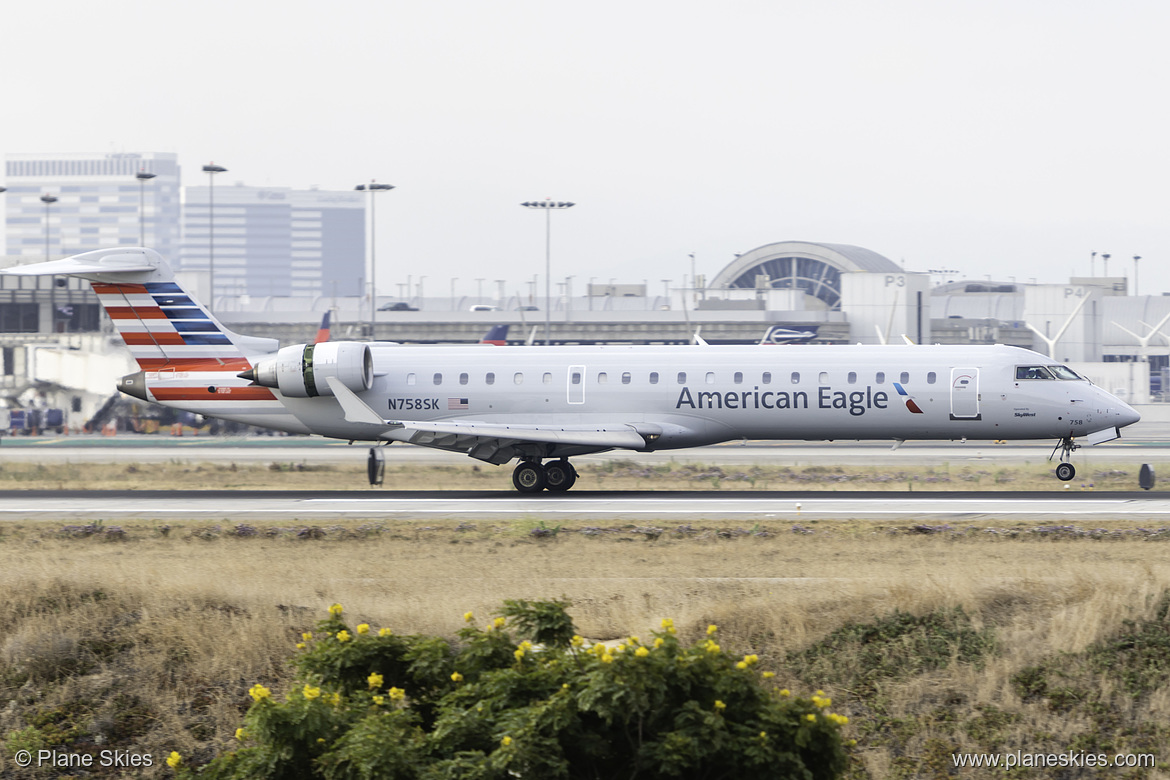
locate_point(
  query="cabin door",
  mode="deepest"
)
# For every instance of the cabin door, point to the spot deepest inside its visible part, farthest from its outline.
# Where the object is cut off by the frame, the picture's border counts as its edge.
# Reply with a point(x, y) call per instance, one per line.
point(576, 384)
point(965, 394)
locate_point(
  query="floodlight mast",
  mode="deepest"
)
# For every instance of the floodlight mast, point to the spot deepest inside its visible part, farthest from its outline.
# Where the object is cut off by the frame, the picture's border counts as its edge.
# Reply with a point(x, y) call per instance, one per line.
point(548, 206)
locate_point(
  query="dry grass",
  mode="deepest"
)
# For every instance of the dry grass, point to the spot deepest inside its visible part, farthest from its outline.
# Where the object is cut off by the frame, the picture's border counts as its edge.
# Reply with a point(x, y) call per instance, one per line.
point(175, 624)
point(606, 475)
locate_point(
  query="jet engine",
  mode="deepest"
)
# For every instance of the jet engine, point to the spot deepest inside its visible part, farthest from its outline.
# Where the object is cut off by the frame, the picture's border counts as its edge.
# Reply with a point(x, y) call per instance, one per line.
point(300, 371)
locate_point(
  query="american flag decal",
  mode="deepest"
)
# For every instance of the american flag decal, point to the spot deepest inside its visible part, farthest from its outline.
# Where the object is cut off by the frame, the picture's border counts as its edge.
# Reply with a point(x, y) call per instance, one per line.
point(455, 404)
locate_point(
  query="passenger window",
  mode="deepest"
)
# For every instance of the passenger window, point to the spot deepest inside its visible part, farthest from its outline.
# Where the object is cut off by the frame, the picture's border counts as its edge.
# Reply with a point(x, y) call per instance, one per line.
point(710, 377)
point(490, 378)
point(824, 377)
point(602, 378)
point(796, 377)
point(518, 378)
point(438, 379)
point(576, 378)
point(411, 379)
point(737, 377)
point(463, 379)
point(682, 377)
point(653, 377)
point(766, 379)
point(547, 378)
point(880, 378)
point(852, 378)
point(626, 378)
point(905, 377)
point(930, 377)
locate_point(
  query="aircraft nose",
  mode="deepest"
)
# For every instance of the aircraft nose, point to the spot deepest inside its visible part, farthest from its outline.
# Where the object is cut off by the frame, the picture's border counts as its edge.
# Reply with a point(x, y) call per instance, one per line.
point(1126, 415)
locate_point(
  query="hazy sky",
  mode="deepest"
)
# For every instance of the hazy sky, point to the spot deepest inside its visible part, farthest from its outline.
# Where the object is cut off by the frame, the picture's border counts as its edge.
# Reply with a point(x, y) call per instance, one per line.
point(991, 137)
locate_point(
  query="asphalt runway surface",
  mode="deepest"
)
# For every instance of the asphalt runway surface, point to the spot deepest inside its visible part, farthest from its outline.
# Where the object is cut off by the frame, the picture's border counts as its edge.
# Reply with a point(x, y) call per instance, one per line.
point(1066, 507)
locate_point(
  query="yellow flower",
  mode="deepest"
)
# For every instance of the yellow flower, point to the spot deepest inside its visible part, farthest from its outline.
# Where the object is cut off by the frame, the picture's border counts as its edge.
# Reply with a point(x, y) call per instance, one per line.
point(641, 652)
point(335, 699)
point(397, 694)
point(379, 700)
point(720, 705)
point(384, 632)
point(763, 735)
point(577, 640)
point(711, 629)
point(307, 636)
point(620, 649)
point(343, 636)
point(499, 622)
point(607, 659)
point(506, 741)
point(840, 720)
point(259, 692)
point(768, 675)
point(633, 641)
point(469, 616)
point(712, 647)
point(659, 642)
point(821, 701)
point(741, 665)
point(456, 677)
point(363, 628)
point(785, 692)
point(811, 718)
point(300, 645)
point(336, 610)
point(749, 660)
point(241, 734)
point(667, 624)
point(310, 692)
point(374, 681)
point(519, 654)
point(174, 759)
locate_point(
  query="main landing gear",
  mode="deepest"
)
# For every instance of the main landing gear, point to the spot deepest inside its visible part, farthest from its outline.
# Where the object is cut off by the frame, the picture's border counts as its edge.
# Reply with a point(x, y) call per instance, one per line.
point(556, 477)
point(1065, 470)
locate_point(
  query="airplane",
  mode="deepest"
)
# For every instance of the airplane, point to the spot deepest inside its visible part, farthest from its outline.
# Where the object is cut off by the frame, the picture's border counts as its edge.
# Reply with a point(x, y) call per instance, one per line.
point(542, 406)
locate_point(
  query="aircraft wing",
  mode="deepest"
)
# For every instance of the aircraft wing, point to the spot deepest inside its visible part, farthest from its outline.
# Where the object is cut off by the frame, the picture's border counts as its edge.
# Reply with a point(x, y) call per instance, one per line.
point(434, 433)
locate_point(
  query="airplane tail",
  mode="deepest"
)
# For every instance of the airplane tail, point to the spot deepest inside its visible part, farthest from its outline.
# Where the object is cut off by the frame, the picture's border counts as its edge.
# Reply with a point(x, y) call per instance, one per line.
point(498, 335)
point(323, 331)
point(164, 327)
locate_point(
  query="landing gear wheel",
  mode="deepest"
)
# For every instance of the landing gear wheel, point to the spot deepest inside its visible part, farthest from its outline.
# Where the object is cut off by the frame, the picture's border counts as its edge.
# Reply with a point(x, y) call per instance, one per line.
point(1065, 472)
point(560, 475)
point(529, 477)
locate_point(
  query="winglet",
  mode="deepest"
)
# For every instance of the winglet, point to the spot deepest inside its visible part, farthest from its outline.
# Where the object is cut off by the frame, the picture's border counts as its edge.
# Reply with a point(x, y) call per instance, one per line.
point(356, 410)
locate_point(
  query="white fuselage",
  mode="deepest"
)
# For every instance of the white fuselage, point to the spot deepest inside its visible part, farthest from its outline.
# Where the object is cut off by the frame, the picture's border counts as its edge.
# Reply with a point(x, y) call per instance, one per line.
point(701, 395)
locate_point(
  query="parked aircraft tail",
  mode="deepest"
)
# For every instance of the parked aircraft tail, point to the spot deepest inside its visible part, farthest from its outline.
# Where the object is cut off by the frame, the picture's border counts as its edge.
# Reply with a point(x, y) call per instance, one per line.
point(323, 331)
point(498, 335)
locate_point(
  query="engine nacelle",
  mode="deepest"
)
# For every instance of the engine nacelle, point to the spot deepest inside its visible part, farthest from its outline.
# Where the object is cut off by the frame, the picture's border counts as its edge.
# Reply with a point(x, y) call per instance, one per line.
point(300, 371)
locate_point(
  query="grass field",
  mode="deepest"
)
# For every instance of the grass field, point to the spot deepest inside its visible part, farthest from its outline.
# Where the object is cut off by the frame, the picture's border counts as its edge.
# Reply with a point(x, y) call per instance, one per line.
point(933, 640)
point(607, 475)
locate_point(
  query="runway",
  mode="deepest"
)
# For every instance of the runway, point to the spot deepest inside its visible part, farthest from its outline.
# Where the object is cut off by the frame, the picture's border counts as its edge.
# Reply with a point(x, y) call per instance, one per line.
point(639, 507)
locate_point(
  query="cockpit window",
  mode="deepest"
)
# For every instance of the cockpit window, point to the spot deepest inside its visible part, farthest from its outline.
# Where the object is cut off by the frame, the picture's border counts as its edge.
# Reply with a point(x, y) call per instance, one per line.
point(1064, 372)
point(1033, 372)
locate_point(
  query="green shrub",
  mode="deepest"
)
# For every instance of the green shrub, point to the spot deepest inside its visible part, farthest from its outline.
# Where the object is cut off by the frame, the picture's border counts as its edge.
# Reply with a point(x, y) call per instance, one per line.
point(372, 704)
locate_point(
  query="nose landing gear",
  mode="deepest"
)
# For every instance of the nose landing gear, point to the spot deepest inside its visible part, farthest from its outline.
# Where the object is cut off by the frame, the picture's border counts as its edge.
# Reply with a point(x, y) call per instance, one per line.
point(556, 477)
point(1065, 470)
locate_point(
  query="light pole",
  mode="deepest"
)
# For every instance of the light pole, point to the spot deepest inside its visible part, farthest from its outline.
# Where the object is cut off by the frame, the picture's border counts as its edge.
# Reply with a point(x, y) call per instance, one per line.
point(143, 177)
point(1135, 273)
point(1105, 260)
point(211, 169)
point(548, 206)
point(48, 199)
point(371, 188)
